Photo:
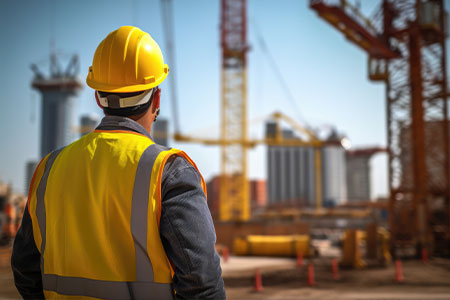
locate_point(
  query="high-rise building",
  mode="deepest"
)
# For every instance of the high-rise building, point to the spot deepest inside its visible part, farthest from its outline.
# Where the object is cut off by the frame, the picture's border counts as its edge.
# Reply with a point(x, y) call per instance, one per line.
point(58, 91)
point(258, 193)
point(29, 171)
point(160, 132)
point(358, 173)
point(358, 178)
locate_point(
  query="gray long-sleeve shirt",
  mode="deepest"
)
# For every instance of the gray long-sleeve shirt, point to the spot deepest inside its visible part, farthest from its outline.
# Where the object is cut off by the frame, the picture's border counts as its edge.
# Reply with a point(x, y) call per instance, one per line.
point(186, 230)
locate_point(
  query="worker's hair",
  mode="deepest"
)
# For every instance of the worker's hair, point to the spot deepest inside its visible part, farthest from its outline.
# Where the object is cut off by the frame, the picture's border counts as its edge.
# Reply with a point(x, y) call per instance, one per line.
point(126, 111)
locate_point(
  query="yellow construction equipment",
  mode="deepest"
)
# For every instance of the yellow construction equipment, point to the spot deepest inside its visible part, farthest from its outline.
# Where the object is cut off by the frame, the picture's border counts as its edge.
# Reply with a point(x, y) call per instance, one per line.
point(273, 245)
point(351, 253)
point(357, 242)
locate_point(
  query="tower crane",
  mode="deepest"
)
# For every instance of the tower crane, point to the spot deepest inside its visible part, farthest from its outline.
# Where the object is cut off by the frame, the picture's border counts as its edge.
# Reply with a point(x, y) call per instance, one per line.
point(234, 142)
point(234, 190)
point(406, 46)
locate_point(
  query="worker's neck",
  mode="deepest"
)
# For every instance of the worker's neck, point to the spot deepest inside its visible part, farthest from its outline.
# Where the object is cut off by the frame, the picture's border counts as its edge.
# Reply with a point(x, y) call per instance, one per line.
point(144, 119)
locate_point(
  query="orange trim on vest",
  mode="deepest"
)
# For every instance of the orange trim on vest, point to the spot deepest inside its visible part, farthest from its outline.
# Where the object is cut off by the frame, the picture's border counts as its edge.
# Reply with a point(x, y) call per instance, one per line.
point(195, 166)
point(32, 182)
point(158, 186)
point(161, 169)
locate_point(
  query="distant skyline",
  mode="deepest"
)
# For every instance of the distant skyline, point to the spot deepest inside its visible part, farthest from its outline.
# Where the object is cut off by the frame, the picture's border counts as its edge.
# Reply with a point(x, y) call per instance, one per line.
point(326, 74)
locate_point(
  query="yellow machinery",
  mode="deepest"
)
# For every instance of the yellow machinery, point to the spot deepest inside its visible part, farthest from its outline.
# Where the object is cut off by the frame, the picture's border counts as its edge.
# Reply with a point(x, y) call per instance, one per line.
point(354, 241)
point(351, 252)
point(275, 245)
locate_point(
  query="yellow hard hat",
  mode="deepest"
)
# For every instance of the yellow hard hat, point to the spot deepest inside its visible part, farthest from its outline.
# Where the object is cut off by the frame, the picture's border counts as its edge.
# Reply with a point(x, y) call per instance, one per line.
point(127, 60)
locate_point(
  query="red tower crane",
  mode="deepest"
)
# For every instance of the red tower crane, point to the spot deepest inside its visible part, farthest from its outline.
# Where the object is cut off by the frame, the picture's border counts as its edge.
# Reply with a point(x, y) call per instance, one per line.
point(234, 192)
point(405, 42)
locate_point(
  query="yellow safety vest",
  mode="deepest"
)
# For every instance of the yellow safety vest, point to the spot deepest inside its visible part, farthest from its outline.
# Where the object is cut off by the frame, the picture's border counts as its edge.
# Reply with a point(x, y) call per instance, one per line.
point(95, 206)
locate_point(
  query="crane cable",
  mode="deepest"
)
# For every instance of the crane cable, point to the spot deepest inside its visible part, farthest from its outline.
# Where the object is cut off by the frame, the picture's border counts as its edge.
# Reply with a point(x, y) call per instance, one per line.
point(287, 91)
point(167, 22)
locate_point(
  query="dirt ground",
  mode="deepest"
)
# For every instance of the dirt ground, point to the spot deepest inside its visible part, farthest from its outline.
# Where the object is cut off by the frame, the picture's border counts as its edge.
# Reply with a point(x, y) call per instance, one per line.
point(7, 288)
point(421, 281)
point(290, 291)
point(282, 280)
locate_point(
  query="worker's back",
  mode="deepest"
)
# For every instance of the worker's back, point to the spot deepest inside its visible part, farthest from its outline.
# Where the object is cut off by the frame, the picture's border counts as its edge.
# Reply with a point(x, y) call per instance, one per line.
point(94, 177)
point(110, 215)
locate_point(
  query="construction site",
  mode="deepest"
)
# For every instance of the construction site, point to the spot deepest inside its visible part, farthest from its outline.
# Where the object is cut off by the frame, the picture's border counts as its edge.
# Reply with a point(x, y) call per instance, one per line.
point(305, 217)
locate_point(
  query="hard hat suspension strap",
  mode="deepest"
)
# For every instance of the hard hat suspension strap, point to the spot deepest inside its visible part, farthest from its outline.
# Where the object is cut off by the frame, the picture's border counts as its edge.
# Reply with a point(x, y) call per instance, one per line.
point(113, 101)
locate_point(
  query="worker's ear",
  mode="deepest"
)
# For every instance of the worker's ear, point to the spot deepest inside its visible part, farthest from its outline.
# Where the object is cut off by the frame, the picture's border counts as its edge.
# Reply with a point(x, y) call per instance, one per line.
point(155, 101)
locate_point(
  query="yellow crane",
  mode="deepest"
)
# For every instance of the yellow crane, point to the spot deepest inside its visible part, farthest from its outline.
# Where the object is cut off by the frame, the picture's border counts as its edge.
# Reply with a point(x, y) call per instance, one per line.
point(234, 142)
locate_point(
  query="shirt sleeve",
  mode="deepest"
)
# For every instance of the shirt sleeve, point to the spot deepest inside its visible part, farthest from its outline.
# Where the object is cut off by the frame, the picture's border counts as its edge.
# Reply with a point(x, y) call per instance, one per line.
point(25, 261)
point(187, 233)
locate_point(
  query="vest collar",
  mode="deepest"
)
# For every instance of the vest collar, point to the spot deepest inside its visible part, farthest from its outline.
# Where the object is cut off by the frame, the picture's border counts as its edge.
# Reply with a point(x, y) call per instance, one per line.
point(121, 123)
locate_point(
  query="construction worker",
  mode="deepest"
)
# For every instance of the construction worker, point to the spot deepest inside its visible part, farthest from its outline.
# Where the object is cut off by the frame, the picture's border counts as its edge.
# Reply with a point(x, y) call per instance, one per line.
point(114, 215)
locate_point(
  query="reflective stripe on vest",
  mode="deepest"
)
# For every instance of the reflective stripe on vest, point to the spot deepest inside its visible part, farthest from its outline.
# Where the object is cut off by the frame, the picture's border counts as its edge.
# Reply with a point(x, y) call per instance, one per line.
point(113, 290)
point(40, 205)
point(144, 286)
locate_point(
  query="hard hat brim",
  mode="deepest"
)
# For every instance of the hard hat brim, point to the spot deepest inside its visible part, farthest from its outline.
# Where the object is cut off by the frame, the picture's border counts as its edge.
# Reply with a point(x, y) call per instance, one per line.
point(126, 89)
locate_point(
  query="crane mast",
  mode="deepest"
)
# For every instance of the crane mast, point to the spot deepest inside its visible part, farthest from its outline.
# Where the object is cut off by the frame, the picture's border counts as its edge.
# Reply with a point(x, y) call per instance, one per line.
point(234, 191)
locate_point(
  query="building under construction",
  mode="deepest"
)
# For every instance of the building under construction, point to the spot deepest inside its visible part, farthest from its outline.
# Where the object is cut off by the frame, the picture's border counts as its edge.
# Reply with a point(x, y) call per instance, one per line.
point(59, 91)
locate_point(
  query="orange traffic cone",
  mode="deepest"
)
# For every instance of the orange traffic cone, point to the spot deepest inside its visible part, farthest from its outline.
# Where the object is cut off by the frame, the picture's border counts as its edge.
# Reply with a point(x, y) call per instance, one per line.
point(225, 254)
point(425, 255)
point(311, 281)
point(258, 281)
point(398, 271)
point(335, 268)
point(299, 259)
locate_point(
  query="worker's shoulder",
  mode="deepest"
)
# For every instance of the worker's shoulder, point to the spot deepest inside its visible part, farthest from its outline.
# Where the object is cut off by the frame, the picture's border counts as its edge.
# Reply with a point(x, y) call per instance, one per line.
point(176, 163)
point(179, 167)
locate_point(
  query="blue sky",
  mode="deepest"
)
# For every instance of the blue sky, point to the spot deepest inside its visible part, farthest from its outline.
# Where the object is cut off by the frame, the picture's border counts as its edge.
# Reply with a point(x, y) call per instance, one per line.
point(326, 74)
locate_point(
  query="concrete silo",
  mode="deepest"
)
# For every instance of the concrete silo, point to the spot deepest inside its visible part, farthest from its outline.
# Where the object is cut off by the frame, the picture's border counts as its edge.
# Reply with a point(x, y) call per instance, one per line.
point(291, 174)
